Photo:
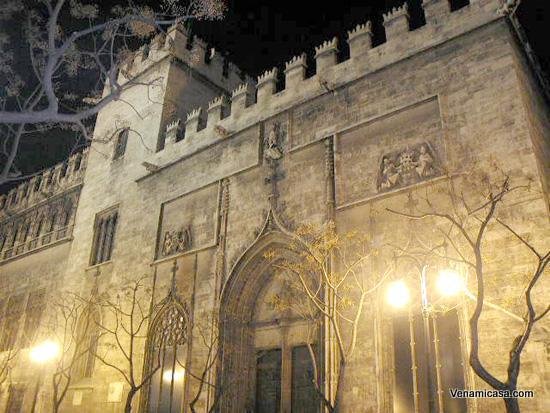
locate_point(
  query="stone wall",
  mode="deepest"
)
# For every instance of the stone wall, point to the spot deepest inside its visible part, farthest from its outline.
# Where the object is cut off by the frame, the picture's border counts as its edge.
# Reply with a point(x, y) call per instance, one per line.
point(449, 89)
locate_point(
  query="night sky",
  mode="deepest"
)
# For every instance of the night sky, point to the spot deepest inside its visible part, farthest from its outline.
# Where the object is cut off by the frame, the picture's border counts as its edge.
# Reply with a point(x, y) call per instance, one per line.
point(257, 37)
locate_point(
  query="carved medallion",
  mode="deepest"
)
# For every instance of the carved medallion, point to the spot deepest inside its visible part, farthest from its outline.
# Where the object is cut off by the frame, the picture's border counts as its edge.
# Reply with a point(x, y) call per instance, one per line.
point(407, 167)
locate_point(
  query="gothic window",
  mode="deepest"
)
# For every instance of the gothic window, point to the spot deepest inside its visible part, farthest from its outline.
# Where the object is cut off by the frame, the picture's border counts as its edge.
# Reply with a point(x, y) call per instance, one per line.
point(120, 144)
point(167, 353)
point(39, 226)
point(53, 220)
point(146, 51)
point(12, 317)
point(77, 162)
point(63, 170)
point(66, 216)
point(37, 183)
point(104, 234)
point(33, 315)
point(88, 336)
point(15, 398)
point(25, 232)
point(427, 354)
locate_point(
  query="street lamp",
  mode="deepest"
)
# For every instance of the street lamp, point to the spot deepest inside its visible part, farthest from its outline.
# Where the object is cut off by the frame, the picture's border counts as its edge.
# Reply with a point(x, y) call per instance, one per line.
point(41, 354)
point(44, 352)
point(450, 283)
point(176, 375)
point(398, 294)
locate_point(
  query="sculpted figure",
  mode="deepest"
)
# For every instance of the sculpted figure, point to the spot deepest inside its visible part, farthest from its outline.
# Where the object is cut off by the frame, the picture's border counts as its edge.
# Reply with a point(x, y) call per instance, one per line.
point(272, 137)
point(389, 175)
point(183, 240)
point(168, 243)
point(272, 150)
point(425, 162)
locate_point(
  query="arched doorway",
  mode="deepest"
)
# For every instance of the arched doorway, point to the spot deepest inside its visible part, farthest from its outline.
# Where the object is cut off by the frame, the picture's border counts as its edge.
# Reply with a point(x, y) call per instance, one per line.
point(264, 358)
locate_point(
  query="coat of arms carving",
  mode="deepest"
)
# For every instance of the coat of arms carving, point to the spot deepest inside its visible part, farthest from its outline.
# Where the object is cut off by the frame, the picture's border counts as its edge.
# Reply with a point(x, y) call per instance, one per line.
point(176, 241)
point(407, 167)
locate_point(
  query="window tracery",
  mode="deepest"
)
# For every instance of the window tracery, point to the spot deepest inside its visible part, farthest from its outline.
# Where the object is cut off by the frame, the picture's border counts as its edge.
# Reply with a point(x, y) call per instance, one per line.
point(167, 355)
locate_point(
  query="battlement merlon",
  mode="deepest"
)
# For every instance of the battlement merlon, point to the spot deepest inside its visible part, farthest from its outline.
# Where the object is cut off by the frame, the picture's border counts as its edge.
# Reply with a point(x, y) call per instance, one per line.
point(396, 22)
point(266, 85)
point(217, 109)
point(325, 55)
point(436, 10)
point(191, 52)
point(360, 39)
point(51, 181)
point(295, 71)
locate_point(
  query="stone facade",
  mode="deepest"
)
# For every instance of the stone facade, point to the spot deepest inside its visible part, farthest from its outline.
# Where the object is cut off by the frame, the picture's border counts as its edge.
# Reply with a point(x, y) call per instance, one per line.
point(212, 193)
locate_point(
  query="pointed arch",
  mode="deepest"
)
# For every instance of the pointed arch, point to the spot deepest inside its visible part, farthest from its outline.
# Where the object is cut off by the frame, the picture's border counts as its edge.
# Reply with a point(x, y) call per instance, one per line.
point(241, 308)
point(166, 355)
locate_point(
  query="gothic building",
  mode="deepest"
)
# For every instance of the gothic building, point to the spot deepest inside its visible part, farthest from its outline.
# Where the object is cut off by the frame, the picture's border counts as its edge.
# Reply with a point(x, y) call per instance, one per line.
point(198, 171)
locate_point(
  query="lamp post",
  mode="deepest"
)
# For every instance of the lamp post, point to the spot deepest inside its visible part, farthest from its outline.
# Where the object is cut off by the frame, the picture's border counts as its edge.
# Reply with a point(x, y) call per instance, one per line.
point(41, 354)
point(449, 283)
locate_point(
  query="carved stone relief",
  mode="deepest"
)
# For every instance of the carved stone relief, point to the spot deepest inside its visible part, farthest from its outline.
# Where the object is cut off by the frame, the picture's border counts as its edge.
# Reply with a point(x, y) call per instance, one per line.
point(407, 167)
point(176, 241)
point(272, 149)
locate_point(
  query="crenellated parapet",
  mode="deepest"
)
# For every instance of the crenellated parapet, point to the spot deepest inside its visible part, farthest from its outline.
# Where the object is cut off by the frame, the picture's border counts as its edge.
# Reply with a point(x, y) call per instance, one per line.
point(192, 51)
point(254, 101)
point(41, 211)
point(48, 183)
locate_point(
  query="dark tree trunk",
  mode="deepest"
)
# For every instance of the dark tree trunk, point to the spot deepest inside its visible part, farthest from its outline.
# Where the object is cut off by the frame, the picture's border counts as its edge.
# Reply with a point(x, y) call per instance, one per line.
point(129, 398)
point(512, 405)
point(340, 388)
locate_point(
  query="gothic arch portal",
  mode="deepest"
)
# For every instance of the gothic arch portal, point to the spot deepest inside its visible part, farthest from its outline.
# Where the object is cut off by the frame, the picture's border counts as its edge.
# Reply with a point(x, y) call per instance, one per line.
point(249, 278)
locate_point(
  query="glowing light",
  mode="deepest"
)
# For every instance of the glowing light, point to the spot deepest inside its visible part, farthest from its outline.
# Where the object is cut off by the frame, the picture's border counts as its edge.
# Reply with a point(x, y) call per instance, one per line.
point(45, 351)
point(398, 294)
point(178, 375)
point(450, 282)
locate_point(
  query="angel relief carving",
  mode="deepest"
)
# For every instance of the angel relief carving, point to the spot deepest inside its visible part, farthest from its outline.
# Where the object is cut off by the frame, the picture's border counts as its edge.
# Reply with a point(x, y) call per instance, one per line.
point(176, 241)
point(407, 167)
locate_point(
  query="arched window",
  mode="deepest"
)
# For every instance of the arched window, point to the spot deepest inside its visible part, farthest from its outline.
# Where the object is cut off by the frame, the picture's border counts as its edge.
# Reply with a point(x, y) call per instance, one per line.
point(14, 235)
point(53, 219)
point(39, 226)
point(67, 212)
point(87, 338)
point(120, 144)
point(167, 356)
